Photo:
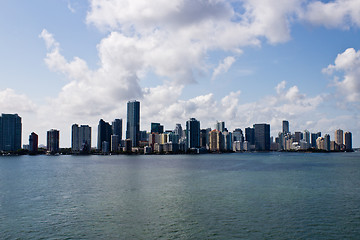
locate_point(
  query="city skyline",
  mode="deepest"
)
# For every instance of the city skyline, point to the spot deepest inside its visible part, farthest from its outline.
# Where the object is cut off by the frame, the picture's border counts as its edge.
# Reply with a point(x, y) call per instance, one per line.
point(241, 62)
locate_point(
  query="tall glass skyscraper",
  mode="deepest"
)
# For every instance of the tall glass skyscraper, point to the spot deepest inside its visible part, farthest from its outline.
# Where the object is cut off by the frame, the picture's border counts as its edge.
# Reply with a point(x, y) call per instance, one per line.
point(133, 122)
point(262, 137)
point(53, 140)
point(10, 132)
point(104, 134)
point(192, 133)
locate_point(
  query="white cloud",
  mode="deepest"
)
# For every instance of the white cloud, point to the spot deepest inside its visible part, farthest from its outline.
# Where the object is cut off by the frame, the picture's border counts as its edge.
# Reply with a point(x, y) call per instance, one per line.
point(348, 65)
point(334, 14)
point(223, 66)
point(173, 40)
point(12, 102)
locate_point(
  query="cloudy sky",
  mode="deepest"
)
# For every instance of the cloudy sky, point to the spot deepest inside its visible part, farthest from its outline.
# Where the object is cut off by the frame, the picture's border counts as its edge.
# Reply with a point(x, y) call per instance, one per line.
point(238, 61)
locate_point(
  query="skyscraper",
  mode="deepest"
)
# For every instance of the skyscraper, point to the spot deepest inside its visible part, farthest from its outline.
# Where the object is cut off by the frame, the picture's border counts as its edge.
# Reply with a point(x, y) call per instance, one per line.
point(339, 136)
point(348, 141)
point(192, 133)
point(220, 126)
point(117, 128)
point(250, 135)
point(157, 128)
point(53, 140)
point(133, 122)
point(262, 137)
point(33, 142)
point(178, 130)
point(10, 132)
point(285, 126)
point(104, 134)
point(80, 138)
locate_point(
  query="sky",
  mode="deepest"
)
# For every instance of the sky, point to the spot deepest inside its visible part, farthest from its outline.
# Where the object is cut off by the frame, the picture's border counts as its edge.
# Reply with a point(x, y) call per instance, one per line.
point(239, 61)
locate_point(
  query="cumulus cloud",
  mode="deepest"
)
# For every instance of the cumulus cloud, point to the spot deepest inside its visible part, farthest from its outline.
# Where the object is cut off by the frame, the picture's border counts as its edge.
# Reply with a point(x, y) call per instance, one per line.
point(223, 66)
point(173, 41)
point(347, 64)
point(334, 14)
point(10, 101)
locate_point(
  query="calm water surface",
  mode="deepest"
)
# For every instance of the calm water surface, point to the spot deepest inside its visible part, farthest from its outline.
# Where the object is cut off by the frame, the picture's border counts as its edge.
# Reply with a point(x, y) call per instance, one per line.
point(214, 196)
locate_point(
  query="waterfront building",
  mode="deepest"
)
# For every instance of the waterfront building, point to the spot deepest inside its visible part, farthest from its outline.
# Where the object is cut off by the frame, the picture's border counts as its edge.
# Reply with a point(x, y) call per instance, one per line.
point(178, 130)
point(192, 133)
point(262, 137)
point(237, 135)
point(216, 141)
point(220, 126)
point(157, 128)
point(306, 136)
point(348, 141)
point(116, 126)
point(320, 143)
point(237, 146)
point(128, 146)
point(314, 137)
point(53, 141)
point(10, 132)
point(250, 135)
point(104, 134)
point(203, 138)
point(133, 122)
point(339, 136)
point(115, 143)
point(227, 136)
point(327, 142)
point(298, 136)
point(33, 142)
point(285, 127)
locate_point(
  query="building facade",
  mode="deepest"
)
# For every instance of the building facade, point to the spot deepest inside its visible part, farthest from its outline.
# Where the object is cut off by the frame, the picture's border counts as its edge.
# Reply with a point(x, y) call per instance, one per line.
point(133, 122)
point(192, 133)
point(104, 134)
point(262, 137)
point(10, 132)
point(33, 142)
point(53, 141)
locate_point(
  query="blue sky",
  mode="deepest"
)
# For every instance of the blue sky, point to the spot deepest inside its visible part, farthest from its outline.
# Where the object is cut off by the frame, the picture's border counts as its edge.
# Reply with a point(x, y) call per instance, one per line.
point(239, 61)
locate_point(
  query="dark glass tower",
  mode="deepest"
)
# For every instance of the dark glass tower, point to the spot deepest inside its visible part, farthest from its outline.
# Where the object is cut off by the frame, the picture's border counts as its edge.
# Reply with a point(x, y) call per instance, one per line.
point(10, 132)
point(117, 128)
point(192, 133)
point(250, 135)
point(104, 133)
point(133, 122)
point(285, 127)
point(262, 137)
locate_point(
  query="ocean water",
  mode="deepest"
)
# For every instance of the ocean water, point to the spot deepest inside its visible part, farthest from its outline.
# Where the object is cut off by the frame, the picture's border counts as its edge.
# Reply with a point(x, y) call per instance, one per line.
point(212, 196)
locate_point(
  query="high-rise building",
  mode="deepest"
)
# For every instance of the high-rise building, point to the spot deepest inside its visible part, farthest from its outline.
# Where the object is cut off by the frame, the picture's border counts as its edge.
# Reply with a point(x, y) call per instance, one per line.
point(80, 138)
point(216, 141)
point(178, 130)
point(192, 133)
point(33, 142)
point(306, 136)
point(133, 122)
point(327, 142)
point(10, 132)
point(238, 135)
point(114, 143)
point(298, 136)
point(157, 128)
point(53, 141)
point(250, 135)
point(339, 136)
point(262, 137)
point(314, 137)
point(203, 138)
point(104, 134)
point(285, 127)
point(348, 141)
point(117, 128)
point(220, 126)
